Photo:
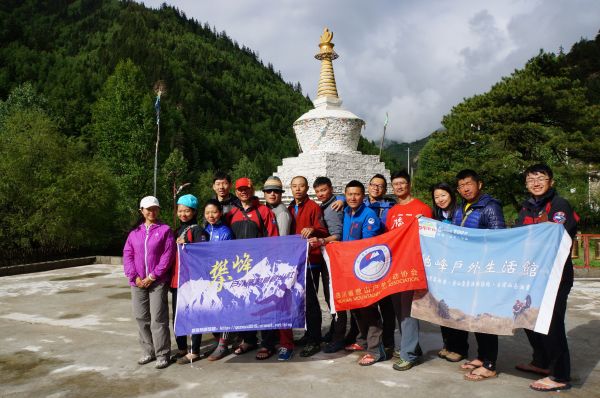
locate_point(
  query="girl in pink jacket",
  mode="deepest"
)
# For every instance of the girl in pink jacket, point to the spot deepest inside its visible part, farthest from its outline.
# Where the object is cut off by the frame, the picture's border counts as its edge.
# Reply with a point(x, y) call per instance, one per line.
point(147, 260)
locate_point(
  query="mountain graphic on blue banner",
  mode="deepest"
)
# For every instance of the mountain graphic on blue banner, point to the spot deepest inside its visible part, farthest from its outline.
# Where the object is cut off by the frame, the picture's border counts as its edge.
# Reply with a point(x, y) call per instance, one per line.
point(270, 295)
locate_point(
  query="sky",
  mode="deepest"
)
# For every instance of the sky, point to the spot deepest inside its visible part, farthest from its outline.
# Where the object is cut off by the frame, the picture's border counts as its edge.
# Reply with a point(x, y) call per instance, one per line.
point(414, 59)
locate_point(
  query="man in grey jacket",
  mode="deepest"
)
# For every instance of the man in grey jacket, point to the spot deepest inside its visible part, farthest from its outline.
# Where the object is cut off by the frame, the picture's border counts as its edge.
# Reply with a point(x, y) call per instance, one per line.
point(334, 224)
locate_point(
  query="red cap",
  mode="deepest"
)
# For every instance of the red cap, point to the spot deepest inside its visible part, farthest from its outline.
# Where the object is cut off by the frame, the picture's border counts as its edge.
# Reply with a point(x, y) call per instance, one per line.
point(243, 182)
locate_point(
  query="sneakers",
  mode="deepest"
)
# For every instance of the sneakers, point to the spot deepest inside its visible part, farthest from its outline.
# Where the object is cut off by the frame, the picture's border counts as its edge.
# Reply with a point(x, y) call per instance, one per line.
point(310, 349)
point(332, 347)
point(401, 365)
point(162, 363)
point(302, 341)
point(146, 359)
point(285, 354)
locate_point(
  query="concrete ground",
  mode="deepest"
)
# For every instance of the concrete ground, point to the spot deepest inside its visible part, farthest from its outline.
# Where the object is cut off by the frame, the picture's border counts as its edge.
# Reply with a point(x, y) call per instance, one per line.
point(70, 333)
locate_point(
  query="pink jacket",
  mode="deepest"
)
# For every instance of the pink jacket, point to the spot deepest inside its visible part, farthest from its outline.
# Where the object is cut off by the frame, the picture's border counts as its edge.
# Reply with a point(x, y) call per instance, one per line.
point(149, 251)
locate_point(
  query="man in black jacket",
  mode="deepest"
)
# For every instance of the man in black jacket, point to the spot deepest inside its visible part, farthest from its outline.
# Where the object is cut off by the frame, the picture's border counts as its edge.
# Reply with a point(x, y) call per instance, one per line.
point(550, 352)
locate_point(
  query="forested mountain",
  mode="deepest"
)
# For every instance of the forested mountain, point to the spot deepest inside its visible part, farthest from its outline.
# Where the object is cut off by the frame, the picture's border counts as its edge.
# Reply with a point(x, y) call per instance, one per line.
point(548, 111)
point(77, 83)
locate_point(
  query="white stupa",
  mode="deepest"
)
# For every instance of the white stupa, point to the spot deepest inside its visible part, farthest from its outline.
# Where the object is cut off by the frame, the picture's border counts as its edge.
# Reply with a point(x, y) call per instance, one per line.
point(328, 136)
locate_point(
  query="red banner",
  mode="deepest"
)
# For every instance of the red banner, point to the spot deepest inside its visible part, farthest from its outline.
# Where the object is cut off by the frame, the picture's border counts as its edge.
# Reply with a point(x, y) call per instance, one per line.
point(367, 270)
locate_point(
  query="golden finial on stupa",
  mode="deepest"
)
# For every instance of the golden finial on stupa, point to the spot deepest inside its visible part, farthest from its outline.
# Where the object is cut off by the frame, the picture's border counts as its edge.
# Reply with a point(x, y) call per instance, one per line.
point(326, 55)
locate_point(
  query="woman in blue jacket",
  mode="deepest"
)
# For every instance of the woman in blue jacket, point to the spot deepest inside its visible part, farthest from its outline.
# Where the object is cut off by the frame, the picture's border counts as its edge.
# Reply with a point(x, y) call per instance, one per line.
point(217, 231)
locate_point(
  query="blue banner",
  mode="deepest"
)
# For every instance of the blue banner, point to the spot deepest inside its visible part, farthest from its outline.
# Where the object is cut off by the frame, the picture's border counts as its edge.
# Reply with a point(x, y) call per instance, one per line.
point(491, 281)
point(237, 285)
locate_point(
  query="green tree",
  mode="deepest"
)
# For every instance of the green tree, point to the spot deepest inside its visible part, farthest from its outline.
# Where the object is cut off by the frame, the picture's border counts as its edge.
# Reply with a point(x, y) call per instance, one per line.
point(538, 114)
point(123, 133)
point(52, 196)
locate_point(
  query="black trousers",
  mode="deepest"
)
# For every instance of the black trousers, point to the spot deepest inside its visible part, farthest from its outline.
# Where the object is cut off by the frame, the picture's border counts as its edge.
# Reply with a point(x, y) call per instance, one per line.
point(386, 308)
point(182, 340)
point(313, 308)
point(551, 351)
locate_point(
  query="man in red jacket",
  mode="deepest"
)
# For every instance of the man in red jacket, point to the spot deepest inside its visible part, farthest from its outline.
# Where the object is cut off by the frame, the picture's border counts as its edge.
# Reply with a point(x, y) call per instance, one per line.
point(250, 219)
point(307, 220)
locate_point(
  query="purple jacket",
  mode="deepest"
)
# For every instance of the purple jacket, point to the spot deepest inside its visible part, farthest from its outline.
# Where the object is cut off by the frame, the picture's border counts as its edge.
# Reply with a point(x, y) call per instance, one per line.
point(149, 251)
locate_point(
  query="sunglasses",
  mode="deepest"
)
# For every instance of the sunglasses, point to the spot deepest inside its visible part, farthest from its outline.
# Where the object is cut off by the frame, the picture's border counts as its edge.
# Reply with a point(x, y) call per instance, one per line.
point(271, 191)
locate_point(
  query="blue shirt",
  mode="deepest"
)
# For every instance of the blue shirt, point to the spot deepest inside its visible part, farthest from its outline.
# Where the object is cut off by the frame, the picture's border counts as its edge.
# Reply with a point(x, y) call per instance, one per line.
point(218, 232)
point(380, 207)
point(363, 224)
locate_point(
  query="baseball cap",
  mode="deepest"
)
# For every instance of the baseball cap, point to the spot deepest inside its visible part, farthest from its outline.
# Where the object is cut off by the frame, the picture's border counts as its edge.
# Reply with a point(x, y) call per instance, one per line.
point(273, 183)
point(243, 182)
point(148, 201)
point(188, 200)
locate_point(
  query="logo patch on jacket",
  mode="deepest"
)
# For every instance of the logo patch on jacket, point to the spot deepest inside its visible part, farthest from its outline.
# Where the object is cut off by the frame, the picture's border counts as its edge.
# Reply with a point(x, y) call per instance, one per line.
point(559, 217)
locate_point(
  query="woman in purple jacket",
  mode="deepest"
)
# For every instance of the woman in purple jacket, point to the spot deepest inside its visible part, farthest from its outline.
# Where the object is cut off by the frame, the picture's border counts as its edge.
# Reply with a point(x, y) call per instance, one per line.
point(147, 259)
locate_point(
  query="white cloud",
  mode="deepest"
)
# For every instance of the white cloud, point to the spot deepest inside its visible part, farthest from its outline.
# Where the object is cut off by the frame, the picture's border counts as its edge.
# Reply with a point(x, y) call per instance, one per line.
point(414, 59)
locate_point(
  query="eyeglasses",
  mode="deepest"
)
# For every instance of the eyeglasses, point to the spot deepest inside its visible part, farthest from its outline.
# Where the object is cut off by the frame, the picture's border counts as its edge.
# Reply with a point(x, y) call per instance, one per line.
point(399, 184)
point(378, 186)
point(466, 184)
point(539, 180)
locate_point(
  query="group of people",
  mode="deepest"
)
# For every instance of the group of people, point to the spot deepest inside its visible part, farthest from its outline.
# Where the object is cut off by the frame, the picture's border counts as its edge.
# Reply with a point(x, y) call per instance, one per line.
point(379, 331)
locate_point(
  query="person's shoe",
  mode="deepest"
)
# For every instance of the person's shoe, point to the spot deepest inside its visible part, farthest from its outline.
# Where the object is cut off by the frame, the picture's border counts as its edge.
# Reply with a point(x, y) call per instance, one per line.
point(354, 347)
point(146, 359)
point(396, 354)
point(334, 346)
point(454, 357)
point(389, 352)
point(162, 363)
point(310, 349)
point(401, 365)
point(443, 353)
point(285, 354)
point(302, 341)
point(418, 351)
point(220, 352)
point(188, 358)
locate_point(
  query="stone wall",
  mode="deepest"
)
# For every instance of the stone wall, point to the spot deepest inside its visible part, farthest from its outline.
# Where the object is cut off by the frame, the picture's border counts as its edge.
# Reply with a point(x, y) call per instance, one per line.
point(339, 167)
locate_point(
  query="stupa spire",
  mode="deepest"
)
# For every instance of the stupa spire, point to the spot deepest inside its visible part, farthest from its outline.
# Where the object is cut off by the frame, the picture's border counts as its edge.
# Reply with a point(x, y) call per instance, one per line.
point(326, 55)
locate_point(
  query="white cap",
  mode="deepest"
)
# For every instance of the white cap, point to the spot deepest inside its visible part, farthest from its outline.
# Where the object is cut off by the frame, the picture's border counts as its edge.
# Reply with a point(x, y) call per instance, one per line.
point(148, 201)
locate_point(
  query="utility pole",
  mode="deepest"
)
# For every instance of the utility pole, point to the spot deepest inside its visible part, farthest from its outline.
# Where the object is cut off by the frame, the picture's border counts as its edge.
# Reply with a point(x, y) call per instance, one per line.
point(408, 160)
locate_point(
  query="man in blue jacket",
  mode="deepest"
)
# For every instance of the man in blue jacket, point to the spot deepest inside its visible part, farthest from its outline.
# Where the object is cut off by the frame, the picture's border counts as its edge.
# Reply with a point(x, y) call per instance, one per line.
point(478, 210)
point(361, 222)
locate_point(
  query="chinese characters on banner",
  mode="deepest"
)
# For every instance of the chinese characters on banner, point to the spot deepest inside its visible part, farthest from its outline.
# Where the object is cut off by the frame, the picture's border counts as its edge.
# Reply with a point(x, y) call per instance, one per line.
point(491, 281)
point(367, 270)
point(236, 285)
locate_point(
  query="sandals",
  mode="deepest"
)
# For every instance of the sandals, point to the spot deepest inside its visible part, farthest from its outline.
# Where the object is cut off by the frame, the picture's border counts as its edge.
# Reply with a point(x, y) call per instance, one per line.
point(451, 356)
point(530, 368)
point(264, 353)
point(472, 365)
point(547, 385)
point(472, 376)
point(368, 360)
point(354, 347)
point(244, 348)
